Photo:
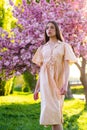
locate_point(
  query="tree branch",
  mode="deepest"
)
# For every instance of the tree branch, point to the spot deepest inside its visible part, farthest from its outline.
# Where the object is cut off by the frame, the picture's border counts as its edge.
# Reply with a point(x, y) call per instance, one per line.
point(79, 67)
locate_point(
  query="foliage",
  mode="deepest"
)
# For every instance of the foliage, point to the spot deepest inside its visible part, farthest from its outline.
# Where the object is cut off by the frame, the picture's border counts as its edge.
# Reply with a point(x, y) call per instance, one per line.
point(25, 82)
point(6, 87)
point(30, 81)
point(2, 12)
point(20, 111)
point(25, 88)
point(2, 85)
point(6, 17)
point(9, 20)
point(18, 88)
point(18, 83)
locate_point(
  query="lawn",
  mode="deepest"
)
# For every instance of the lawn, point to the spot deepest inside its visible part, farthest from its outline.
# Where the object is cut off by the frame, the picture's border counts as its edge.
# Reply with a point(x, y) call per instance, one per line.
point(20, 112)
point(77, 89)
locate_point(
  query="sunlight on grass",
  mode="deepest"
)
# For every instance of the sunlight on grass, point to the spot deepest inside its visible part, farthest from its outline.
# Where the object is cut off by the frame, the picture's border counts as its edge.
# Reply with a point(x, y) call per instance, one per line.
point(18, 97)
point(82, 121)
point(77, 89)
point(73, 106)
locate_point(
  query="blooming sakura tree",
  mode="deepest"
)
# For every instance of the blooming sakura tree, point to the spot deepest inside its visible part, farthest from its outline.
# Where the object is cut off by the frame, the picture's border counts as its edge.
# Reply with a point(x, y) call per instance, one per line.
point(16, 50)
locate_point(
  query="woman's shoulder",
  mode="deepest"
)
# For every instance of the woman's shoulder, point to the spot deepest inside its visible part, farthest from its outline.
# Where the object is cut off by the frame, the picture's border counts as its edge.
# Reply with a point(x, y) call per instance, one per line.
point(40, 48)
point(65, 44)
point(61, 43)
point(44, 45)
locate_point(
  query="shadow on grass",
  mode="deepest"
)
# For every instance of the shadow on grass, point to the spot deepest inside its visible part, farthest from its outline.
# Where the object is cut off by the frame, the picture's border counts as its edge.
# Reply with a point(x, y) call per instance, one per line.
point(21, 93)
point(85, 108)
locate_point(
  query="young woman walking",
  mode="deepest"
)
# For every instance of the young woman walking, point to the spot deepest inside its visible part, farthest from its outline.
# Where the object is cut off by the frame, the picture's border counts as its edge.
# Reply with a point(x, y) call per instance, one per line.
point(53, 58)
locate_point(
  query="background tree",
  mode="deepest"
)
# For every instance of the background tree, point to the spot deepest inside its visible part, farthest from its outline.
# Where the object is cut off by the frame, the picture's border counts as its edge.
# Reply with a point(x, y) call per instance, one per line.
point(7, 21)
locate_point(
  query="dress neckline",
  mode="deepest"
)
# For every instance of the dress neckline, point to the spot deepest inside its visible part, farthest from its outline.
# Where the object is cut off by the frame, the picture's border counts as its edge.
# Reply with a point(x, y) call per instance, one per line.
point(55, 44)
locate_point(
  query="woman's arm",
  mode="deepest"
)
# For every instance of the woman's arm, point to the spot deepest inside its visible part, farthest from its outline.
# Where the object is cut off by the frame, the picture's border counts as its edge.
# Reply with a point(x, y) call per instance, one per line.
point(66, 76)
point(37, 88)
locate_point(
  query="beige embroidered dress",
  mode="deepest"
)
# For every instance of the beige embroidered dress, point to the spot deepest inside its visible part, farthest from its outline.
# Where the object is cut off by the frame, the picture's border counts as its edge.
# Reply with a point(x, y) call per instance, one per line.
point(51, 62)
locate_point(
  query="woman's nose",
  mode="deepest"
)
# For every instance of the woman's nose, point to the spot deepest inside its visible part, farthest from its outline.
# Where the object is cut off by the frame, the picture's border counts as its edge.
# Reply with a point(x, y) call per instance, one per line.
point(49, 29)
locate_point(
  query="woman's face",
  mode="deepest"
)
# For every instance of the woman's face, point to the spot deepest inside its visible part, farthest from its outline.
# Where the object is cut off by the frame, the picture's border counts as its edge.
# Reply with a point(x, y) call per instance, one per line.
point(50, 30)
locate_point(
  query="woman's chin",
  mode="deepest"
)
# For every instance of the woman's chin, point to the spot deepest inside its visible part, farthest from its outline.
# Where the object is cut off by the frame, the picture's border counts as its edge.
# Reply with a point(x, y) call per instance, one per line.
point(49, 35)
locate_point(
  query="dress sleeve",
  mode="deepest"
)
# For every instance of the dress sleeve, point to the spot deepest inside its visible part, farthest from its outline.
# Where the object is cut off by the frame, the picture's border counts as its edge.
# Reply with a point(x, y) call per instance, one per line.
point(69, 54)
point(38, 58)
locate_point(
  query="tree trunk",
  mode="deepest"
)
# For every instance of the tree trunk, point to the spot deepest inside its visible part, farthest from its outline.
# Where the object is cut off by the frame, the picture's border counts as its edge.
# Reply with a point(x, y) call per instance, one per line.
point(83, 75)
point(69, 92)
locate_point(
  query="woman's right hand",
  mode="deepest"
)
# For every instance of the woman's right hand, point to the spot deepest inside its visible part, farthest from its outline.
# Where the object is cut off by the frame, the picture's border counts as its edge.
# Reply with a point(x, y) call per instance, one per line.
point(36, 96)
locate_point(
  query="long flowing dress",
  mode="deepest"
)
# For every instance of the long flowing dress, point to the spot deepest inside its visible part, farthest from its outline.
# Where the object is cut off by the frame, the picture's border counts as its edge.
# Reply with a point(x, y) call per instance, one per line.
point(51, 62)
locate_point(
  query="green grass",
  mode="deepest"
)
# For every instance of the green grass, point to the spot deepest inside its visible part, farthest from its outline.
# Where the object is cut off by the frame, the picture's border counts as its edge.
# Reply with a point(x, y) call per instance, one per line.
point(77, 89)
point(20, 112)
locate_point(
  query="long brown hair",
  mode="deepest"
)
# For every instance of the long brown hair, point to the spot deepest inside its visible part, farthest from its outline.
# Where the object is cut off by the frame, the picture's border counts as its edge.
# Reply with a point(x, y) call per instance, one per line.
point(58, 34)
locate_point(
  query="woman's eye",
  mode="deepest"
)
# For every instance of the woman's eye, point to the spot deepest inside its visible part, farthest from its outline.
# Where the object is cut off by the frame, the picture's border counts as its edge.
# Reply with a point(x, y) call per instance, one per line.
point(47, 28)
point(52, 27)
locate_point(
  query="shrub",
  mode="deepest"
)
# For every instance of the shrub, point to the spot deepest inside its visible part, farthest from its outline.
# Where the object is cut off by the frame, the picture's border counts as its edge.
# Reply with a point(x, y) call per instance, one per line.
point(25, 88)
point(30, 80)
point(18, 88)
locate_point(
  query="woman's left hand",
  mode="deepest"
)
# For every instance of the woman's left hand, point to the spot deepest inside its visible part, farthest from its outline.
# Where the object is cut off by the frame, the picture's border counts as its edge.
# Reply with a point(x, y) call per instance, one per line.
point(63, 90)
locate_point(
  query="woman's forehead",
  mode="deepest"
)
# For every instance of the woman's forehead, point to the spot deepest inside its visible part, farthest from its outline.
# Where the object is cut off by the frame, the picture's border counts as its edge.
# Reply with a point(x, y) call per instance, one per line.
point(50, 24)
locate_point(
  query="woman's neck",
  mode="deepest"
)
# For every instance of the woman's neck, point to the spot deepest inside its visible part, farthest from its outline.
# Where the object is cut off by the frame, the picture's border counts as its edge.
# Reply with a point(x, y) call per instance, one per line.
point(53, 40)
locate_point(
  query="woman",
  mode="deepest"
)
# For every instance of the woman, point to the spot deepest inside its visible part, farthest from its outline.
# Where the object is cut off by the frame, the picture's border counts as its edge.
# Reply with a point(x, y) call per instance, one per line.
point(53, 58)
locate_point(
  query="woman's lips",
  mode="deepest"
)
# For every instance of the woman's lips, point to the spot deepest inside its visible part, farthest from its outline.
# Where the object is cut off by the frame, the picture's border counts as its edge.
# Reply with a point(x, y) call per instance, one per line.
point(49, 32)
